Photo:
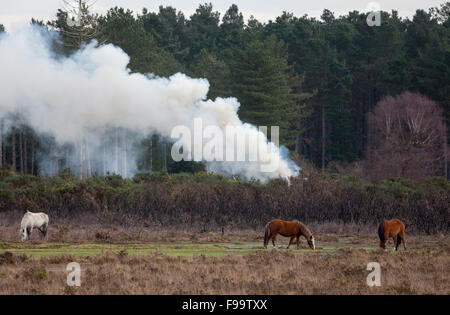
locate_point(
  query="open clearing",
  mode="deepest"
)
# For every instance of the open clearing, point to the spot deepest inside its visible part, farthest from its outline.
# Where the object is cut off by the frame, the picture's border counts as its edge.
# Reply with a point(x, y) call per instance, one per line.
point(326, 244)
point(177, 249)
point(83, 250)
point(229, 266)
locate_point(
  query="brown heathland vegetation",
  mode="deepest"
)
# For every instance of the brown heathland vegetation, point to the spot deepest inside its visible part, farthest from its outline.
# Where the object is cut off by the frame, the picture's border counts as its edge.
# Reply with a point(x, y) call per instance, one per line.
point(422, 269)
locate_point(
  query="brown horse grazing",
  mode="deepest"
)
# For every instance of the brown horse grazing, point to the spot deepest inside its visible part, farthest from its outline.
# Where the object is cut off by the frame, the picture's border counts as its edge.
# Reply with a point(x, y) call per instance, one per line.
point(395, 229)
point(293, 229)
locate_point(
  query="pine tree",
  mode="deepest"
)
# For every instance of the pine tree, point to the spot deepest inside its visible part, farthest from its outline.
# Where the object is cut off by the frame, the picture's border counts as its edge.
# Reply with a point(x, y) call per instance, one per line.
point(121, 28)
point(207, 65)
point(337, 103)
point(202, 30)
point(428, 47)
point(263, 82)
point(168, 28)
point(230, 33)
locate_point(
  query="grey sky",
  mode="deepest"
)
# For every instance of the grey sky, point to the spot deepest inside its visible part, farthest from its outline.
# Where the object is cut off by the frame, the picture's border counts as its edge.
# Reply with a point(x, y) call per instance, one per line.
point(14, 13)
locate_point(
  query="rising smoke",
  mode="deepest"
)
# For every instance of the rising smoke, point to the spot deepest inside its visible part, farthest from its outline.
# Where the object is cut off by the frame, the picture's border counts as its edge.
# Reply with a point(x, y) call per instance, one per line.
point(90, 100)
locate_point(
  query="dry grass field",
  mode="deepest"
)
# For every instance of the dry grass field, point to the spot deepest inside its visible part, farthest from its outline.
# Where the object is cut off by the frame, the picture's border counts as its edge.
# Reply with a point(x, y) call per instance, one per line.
point(173, 262)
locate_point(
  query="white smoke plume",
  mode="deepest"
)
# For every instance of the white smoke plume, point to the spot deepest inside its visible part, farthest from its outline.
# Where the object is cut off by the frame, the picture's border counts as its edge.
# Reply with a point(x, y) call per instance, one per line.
point(79, 99)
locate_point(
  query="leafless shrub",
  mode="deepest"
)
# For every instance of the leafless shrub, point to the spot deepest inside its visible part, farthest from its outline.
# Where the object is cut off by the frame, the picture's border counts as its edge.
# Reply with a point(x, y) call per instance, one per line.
point(216, 204)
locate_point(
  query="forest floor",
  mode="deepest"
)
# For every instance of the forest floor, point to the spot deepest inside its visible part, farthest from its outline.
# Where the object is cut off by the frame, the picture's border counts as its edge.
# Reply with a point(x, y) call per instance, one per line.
point(174, 262)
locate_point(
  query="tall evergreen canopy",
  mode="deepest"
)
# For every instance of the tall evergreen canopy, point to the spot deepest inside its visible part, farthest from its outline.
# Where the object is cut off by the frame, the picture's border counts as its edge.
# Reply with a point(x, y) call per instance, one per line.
point(317, 79)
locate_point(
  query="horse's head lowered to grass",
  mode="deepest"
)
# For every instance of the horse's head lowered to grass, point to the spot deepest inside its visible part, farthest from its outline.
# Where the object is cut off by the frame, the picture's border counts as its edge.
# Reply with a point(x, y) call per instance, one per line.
point(311, 242)
point(23, 234)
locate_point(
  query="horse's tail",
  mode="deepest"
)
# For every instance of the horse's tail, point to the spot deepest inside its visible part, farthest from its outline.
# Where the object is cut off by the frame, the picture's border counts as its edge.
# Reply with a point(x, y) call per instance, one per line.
point(266, 234)
point(381, 233)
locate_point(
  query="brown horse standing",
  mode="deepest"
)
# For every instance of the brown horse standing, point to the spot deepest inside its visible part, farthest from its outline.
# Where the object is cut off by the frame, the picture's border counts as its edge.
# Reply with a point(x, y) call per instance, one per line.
point(395, 229)
point(293, 229)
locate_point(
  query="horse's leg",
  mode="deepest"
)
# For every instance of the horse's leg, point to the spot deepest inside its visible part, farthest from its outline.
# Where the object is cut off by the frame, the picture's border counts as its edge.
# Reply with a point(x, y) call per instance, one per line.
point(29, 230)
point(290, 241)
point(298, 242)
point(386, 237)
point(395, 242)
point(383, 241)
point(266, 235)
point(273, 239)
point(44, 232)
point(402, 235)
point(266, 241)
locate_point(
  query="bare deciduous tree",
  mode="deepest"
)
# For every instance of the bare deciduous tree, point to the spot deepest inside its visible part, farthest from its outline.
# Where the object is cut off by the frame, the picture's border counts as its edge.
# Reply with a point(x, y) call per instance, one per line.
point(407, 138)
point(81, 28)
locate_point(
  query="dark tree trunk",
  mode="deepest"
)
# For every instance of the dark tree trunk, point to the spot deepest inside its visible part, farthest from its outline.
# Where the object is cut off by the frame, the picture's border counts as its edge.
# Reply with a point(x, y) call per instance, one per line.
point(88, 159)
point(1, 144)
point(116, 151)
point(25, 162)
point(446, 175)
point(54, 161)
point(299, 145)
point(323, 138)
point(124, 154)
point(150, 165)
point(81, 160)
point(21, 151)
point(66, 158)
point(32, 156)
point(104, 159)
point(164, 156)
point(13, 155)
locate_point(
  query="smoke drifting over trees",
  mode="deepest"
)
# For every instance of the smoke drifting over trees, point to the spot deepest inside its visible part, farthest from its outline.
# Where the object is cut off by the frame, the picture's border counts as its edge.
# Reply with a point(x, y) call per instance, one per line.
point(91, 100)
point(318, 79)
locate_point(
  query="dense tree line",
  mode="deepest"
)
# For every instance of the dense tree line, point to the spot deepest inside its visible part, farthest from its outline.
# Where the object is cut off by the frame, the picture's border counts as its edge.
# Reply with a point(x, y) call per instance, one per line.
point(318, 79)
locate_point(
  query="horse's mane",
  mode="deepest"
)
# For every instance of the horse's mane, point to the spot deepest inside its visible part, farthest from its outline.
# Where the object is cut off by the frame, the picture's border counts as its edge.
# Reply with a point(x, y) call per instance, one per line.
point(303, 228)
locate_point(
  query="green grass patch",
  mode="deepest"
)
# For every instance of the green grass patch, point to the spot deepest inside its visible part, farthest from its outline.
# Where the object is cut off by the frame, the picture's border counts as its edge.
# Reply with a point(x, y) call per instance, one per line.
point(48, 249)
point(175, 249)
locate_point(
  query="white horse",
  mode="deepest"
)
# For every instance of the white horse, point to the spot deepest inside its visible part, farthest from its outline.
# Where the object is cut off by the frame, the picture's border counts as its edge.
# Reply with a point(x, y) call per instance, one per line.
point(33, 220)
